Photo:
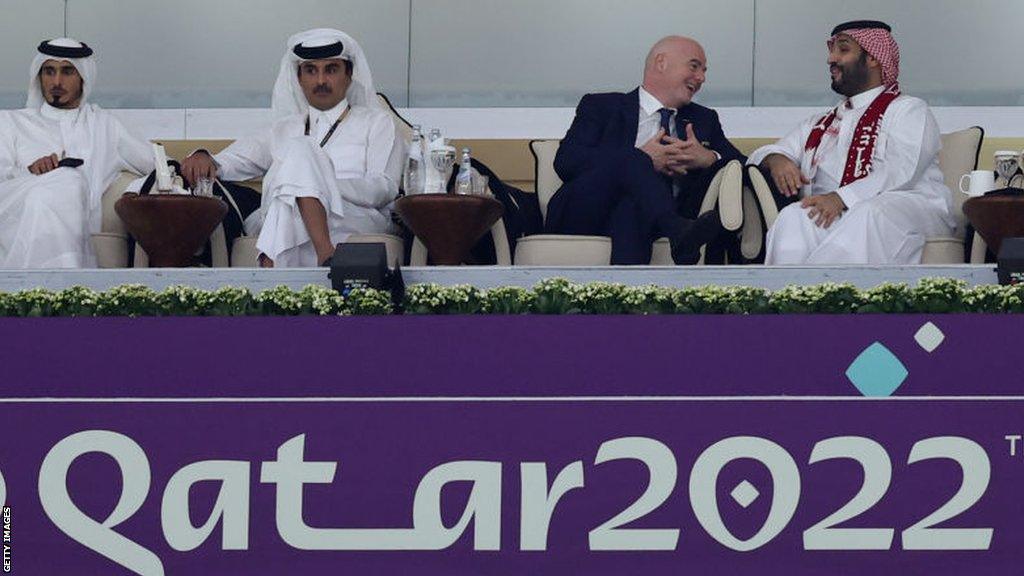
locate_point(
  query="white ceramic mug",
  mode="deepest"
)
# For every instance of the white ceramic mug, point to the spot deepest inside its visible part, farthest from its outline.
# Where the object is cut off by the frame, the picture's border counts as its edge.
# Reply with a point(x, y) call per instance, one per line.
point(979, 182)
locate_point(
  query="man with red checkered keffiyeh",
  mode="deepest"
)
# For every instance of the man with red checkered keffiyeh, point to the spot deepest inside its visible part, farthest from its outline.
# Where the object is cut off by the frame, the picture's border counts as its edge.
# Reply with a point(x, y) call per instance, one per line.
point(866, 173)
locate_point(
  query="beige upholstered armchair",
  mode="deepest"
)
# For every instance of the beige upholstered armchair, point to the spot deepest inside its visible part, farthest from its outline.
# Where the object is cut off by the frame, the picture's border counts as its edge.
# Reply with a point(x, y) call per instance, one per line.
point(572, 250)
point(959, 155)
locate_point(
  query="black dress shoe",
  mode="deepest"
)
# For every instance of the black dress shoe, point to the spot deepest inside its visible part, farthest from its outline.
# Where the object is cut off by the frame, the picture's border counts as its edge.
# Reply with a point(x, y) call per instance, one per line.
point(692, 235)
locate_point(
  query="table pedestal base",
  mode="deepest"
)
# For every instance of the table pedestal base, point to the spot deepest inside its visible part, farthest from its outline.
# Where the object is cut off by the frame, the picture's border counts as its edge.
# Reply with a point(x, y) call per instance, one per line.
point(171, 228)
point(449, 224)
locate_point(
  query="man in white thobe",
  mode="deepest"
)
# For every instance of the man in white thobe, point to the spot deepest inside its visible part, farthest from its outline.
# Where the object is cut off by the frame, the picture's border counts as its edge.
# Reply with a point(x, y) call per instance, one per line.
point(331, 163)
point(57, 157)
point(867, 172)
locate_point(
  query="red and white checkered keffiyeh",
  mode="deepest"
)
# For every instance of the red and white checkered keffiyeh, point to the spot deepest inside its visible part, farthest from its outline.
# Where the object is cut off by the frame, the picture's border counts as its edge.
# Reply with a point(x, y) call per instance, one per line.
point(880, 44)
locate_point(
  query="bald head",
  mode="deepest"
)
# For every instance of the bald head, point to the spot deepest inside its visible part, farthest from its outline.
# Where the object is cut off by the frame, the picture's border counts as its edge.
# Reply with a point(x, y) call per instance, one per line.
point(674, 70)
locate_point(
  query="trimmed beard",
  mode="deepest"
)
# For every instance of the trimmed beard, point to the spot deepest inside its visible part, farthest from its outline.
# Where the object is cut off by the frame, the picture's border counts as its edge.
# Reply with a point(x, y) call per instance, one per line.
point(853, 78)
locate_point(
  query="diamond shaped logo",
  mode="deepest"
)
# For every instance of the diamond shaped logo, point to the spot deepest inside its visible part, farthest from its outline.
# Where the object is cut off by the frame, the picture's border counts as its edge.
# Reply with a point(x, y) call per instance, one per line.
point(744, 494)
point(877, 372)
point(929, 337)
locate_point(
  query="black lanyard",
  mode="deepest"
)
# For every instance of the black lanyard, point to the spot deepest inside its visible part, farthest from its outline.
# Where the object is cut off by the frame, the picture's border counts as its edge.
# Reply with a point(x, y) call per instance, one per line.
point(333, 126)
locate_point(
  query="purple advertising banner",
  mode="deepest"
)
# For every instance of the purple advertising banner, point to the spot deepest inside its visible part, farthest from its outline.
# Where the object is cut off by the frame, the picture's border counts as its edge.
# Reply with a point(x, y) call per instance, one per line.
point(788, 445)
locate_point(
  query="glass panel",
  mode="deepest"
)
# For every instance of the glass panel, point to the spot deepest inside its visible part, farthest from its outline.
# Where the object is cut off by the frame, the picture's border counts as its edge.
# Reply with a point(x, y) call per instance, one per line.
point(226, 53)
point(953, 53)
point(492, 53)
point(24, 25)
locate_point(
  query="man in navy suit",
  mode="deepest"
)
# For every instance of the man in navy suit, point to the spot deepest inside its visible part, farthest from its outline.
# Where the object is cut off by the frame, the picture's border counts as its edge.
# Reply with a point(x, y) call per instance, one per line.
point(636, 166)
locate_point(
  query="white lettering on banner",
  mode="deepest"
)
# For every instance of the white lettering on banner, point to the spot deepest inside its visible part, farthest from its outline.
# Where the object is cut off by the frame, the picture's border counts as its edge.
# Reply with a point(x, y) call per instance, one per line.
point(291, 472)
point(661, 466)
point(704, 493)
point(538, 502)
point(874, 460)
point(100, 536)
point(232, 506)
point(7, 545)
point(1013, 439)
point(976, 471)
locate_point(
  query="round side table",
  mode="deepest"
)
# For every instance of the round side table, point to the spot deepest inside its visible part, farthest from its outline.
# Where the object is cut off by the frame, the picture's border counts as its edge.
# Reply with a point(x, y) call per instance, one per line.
point(996, 218)
point(449, 224)
point(170, 227)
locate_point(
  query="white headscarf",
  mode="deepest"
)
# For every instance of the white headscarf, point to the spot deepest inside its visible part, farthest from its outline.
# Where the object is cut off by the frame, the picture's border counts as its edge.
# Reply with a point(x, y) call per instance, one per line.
point(288, 98)
point(86, 69)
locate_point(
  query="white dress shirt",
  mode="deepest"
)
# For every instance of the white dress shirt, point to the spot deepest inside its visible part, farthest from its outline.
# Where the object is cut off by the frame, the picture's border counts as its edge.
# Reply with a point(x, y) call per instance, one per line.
point(650, 118)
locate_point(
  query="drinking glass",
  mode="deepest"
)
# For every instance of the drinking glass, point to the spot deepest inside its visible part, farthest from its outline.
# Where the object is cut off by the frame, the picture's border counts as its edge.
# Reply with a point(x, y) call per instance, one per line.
point(204, 187)
point(480, 184)
point(442, 160)
point(1006, 165)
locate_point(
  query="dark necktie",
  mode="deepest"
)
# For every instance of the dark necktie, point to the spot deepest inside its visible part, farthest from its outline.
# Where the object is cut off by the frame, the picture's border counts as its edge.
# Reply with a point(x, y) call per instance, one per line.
point(666, 119)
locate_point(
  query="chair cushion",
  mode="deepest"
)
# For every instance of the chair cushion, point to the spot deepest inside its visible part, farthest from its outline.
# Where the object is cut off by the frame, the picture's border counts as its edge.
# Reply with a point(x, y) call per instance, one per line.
point(563, 250)
point(943, 251)
point(661, 253)
point(111, 249)
point(393, 245)
point(752, 234)
point(110, 222)
point(725, 192)
point(244, 253)
point(959, 156)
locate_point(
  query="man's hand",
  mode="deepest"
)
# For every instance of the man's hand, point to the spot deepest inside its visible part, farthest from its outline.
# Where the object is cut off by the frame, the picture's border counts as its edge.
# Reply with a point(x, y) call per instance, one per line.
point(44, 165)
point(691, 154)
point(824, 209)
point(661, 154)
point(786, 174)
point(199, 165)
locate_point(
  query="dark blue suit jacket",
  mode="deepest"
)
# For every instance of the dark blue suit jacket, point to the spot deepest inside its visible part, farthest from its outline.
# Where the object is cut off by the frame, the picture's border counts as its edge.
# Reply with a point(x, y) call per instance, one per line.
point(606, 125)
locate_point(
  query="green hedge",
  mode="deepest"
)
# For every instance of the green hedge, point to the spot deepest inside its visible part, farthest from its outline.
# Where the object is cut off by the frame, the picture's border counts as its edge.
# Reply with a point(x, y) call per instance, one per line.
point(554, 296)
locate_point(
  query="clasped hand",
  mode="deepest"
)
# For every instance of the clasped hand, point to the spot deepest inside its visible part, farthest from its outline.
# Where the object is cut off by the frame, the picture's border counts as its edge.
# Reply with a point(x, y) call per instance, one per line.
point(674, 157)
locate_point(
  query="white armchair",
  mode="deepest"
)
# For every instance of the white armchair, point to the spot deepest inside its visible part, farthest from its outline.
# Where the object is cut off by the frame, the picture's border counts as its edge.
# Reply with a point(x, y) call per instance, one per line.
point(575, 250)
point(959, 155)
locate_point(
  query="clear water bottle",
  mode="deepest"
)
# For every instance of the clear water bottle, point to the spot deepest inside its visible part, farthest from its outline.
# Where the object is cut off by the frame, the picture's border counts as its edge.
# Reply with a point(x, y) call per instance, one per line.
point(464, 180)
point(412, 178)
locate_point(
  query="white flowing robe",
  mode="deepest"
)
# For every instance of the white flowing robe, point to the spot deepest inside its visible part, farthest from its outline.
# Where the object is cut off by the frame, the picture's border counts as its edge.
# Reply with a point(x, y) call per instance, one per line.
point(46, 220)
point(355, 176)
point(891, 212)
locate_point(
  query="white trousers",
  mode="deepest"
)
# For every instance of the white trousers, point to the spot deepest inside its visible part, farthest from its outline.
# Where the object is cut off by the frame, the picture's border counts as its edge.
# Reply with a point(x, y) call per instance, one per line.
point(44, 221)
point(890, 228)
